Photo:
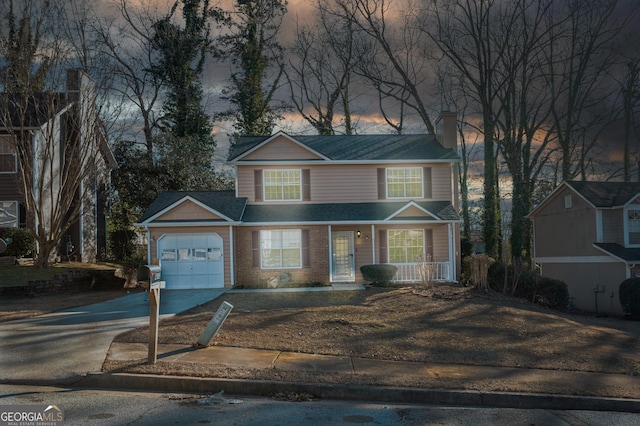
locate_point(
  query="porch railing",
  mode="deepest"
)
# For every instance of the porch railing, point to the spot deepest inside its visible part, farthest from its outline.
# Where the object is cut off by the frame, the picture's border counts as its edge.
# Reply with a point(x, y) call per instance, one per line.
point(423, 271)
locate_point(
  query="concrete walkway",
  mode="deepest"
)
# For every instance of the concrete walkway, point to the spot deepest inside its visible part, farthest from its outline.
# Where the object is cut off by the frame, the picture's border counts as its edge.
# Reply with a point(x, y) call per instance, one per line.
point(65, 345)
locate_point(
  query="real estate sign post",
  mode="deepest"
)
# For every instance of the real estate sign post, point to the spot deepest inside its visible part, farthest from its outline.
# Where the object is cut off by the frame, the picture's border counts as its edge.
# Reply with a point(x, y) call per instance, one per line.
point(215, 324)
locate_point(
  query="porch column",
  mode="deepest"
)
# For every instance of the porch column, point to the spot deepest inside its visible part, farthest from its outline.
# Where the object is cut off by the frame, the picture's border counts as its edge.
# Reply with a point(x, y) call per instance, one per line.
point(330, 254)
point(373, 244)
point(232, 277)
point(452, 253)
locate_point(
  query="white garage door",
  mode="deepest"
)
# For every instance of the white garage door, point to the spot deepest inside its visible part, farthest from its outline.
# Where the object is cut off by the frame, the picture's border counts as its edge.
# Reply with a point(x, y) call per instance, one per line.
point(191, 260)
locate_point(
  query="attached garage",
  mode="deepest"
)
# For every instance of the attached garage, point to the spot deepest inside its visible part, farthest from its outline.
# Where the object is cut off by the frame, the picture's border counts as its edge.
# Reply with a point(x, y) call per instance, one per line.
point(192, 260)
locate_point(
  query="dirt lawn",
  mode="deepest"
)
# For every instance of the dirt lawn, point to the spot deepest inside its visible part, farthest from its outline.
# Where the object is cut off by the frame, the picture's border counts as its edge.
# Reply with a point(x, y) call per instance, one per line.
point(447, 324)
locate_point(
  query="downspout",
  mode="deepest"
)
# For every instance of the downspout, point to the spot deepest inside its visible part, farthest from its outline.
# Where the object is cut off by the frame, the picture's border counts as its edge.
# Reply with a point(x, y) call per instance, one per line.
point(148, 245)
point(231, 258)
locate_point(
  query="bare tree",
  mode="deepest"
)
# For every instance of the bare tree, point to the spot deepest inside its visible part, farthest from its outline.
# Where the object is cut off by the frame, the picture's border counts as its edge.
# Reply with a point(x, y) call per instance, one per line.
point(57, 136)
point(393, 61)
point(578, 59)
point(320, 71)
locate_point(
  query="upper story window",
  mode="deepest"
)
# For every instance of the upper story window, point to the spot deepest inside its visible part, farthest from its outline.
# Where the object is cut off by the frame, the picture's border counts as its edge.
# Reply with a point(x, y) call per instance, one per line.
point(404, 182)
point(282, 185)
point(633, 224)
point(8, 214)
point(8, 158)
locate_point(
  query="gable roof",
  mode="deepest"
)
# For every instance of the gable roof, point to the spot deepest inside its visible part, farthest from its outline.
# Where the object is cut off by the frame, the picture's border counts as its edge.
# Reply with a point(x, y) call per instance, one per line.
point(30, 111)
point(606, 194)
point(357, 147)
point(223, 202)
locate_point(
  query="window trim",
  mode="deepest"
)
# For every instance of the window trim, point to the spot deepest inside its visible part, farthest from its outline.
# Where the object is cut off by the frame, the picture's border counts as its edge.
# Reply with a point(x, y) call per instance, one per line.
point(281, 171)
point(404, 182)
point(17, 212)
point(627, 231)
point(14, 153)
point(281, 266)
point(389, 247)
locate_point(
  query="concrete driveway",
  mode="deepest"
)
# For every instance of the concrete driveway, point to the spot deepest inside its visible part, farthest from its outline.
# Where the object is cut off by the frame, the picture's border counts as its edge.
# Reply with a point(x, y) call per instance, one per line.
point(68, 344)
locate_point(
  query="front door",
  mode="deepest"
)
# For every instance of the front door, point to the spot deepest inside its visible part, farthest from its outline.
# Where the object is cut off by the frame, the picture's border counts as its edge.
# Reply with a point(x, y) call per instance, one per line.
point(343, 262)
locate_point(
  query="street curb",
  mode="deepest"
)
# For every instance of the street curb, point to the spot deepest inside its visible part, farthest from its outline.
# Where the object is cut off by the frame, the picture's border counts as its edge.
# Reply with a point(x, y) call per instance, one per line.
point(149, 382)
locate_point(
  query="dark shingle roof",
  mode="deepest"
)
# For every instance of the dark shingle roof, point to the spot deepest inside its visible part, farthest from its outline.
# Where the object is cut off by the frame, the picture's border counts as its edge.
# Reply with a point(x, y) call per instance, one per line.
point(224, 202)
point(236, 209)
point(31, 110)
point(361, 147)
point(340, 212)
point(607, 194)
point(626, 254)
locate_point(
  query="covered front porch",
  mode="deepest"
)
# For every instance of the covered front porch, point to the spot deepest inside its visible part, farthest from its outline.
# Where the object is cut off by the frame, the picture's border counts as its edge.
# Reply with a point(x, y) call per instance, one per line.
point(422, 253)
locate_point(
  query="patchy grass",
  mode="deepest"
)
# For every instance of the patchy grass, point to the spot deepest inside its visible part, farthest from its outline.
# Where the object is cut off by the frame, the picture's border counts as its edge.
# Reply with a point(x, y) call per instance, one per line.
point(445, 324)
point(21, 274)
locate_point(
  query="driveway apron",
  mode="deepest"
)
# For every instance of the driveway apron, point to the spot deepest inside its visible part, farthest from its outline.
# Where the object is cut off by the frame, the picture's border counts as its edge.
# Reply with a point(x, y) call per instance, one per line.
point(65, 345)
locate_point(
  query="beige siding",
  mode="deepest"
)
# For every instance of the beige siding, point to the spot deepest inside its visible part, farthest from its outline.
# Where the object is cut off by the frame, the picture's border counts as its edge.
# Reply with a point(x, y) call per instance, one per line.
point(188, 210)
point(281, 148)
point(613, 226)
point(342, 183)
point(566, 232)
point(414, 212)
point(581, 278)
point(223, 231)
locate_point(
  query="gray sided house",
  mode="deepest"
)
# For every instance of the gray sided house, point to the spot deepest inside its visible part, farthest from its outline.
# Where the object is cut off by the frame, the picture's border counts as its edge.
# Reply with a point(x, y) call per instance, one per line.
point(587, 234)
point(314, 209)
point(57, 123)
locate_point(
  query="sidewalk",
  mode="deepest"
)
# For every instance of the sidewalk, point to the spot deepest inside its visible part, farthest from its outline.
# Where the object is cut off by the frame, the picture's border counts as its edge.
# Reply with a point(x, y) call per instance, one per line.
point(582, 382)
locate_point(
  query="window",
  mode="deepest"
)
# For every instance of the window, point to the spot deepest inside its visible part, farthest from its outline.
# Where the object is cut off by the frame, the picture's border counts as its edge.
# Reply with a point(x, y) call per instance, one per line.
point(8, 214)
point(405, 245)
point(282, 185)
point(8, 158)
point(568, 201)
point(281, 249)
point(633, 220)
point(404, 182)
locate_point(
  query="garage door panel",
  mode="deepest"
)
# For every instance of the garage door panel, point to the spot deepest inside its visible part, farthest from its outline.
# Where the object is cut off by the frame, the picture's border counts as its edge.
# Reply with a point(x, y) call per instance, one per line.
point(192, 260)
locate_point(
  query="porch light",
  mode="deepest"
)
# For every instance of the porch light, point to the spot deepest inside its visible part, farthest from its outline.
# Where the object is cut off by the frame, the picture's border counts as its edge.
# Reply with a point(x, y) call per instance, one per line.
point(358, 233)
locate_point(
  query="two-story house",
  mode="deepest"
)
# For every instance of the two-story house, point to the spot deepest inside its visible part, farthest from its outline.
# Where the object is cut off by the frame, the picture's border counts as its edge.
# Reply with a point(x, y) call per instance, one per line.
point(316, 209)
point(53, 127)
point(587, 234)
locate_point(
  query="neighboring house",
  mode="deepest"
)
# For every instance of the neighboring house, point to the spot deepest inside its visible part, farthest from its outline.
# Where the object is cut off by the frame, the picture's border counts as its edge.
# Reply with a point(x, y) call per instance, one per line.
point(587, 234)
point(63, 123)
point(314, 209)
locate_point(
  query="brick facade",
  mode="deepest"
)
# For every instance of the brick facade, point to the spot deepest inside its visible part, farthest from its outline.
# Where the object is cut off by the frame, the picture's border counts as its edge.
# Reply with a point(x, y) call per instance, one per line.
point(318, 270)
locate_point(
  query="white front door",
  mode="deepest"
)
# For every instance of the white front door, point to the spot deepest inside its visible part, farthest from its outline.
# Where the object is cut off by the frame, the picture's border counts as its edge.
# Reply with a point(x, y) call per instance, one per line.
point(191, 260)
point(343, 258)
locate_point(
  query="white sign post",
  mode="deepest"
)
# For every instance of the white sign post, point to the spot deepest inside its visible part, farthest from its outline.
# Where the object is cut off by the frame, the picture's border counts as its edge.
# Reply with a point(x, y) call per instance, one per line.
point(215, 324)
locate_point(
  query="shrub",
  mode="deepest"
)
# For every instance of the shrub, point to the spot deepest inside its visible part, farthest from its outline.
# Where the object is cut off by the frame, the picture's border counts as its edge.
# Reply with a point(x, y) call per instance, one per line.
point(551, 292)
point(629, 293)
point(381, 273)
point(121, 244)
point(22, 242)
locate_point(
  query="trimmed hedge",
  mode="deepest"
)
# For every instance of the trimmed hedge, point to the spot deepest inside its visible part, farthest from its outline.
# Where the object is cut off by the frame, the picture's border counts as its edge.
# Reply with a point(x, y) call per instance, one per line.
point(381, 273)
point(629, 293)
point(551, 292)
point(22, 242)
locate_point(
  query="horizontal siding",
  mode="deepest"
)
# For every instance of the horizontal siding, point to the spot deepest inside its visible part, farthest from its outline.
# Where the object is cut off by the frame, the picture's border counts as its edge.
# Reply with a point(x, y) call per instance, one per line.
point(281, 149)
point(335, 183)
point(188, 211)
point(9, 189)
point(613, 226)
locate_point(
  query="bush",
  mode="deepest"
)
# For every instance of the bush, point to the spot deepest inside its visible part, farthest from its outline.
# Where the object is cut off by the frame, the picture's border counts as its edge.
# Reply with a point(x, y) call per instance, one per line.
point(551, 292)
point(22, 242)
point(121, 244)
point(629, 293)
point(520, 284)
point(381, 273)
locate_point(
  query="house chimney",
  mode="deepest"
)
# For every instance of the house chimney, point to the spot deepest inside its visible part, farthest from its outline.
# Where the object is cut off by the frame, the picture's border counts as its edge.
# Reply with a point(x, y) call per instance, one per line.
point(447, 130)
point(73, 83)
